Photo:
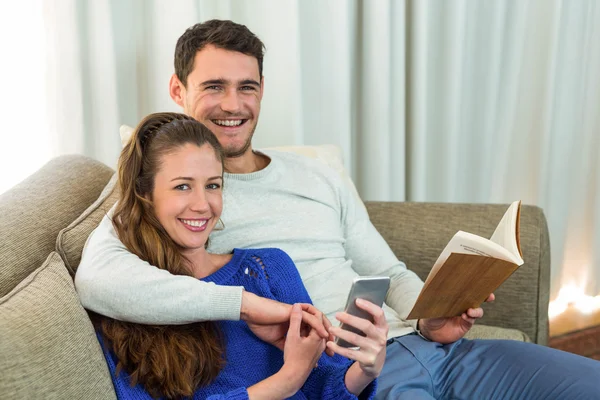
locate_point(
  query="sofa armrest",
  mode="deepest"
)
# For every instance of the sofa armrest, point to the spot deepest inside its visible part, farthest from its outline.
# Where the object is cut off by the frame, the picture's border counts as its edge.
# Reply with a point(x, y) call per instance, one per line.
point(418, 232)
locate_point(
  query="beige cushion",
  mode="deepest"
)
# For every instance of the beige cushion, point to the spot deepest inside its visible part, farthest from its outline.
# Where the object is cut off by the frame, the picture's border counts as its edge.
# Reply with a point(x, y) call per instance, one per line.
point(34, 211)
point(48, 348)
point(493, 332)
point(70, 240)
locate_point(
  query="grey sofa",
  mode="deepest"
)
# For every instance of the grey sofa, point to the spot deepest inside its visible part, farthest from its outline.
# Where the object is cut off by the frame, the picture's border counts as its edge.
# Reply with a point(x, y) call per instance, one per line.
point(47, 344)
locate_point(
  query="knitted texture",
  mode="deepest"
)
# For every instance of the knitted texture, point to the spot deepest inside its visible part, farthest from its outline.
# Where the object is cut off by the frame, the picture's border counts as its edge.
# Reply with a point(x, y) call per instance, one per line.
point(268, 273)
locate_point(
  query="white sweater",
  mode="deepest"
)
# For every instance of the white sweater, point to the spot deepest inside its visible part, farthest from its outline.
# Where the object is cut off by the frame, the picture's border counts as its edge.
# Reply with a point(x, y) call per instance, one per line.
point(297, 204)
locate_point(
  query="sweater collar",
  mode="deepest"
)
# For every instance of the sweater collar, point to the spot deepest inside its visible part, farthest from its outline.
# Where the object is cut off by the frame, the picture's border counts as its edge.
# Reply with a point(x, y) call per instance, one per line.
point(254, 175)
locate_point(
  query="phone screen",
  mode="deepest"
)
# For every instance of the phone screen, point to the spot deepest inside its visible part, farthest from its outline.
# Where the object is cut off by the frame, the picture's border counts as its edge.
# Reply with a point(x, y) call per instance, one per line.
point(370, 288)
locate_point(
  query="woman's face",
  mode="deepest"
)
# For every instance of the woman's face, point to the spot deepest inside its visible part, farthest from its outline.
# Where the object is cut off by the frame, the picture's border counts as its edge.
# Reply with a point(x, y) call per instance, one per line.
point(187, 194)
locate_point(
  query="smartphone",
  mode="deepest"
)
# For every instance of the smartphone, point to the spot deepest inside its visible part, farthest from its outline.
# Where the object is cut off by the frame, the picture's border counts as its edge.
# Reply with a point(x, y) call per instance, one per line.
point(370, 288)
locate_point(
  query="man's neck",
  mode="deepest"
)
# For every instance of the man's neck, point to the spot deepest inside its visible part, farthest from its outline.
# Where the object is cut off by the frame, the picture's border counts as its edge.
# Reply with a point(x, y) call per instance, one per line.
point(247, 163)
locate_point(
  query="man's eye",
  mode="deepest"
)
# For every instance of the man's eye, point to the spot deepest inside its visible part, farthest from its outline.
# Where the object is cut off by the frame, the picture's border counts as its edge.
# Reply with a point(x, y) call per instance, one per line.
point(213, 87)
point(213, 186)
point(247, 88)
point(183, 186)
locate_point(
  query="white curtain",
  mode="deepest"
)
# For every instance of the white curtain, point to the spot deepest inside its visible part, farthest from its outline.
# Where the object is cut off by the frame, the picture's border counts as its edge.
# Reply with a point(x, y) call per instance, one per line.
point(430, 100)
point(503, 104)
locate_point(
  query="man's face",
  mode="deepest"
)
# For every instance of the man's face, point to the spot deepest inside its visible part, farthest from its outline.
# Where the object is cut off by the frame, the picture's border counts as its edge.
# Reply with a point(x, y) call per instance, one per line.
point(223, 92)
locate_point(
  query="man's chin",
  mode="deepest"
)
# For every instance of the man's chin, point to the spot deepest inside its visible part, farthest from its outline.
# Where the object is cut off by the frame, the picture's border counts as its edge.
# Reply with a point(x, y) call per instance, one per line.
point(235, 152)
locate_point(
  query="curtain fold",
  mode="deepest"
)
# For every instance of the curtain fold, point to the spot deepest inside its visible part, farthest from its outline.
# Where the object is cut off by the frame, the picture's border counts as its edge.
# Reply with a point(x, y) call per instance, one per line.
point(450, 101)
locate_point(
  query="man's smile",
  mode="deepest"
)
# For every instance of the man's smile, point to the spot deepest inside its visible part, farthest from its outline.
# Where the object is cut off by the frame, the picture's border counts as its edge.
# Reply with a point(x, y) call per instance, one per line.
point(228, 122)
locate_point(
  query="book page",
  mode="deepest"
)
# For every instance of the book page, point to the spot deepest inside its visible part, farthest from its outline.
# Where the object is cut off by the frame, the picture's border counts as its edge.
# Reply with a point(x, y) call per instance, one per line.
point(468, 243)
point(507, 234)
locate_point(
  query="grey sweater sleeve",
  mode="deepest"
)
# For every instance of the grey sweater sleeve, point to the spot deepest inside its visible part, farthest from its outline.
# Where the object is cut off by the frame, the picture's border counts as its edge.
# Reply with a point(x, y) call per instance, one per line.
point(371, 255)
point(114, 282)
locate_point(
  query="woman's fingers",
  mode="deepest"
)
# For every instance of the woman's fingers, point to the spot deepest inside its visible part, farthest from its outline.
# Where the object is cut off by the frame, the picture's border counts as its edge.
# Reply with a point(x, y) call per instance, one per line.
point(295, 320)
point(315, 318)
point(360, 355)
point(375, 311)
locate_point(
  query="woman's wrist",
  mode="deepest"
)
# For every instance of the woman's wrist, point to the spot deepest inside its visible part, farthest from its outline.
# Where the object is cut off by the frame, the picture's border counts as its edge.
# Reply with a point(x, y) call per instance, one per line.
point(356, 380)
point(292, 379)
point(281, 385)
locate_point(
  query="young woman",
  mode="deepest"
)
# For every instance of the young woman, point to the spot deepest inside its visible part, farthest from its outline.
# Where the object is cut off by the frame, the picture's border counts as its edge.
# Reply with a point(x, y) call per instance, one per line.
point(170, 180)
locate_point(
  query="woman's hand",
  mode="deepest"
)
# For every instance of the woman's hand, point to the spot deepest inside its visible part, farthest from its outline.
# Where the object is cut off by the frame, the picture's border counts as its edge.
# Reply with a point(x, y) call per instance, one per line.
point(370, 356)
point(269, 320)
point(303, 348)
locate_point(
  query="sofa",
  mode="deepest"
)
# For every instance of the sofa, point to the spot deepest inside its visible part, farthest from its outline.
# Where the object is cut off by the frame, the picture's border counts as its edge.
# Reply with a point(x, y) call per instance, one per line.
point(48, 348)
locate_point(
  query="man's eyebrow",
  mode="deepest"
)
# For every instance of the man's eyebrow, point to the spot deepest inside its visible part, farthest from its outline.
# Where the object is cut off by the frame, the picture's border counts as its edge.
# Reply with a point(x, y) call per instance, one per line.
point(249, 82)
point(214, 82)
point(221, 81)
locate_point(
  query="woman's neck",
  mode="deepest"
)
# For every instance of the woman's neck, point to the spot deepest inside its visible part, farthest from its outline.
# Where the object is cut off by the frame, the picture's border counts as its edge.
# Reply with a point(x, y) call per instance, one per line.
point(204, 263)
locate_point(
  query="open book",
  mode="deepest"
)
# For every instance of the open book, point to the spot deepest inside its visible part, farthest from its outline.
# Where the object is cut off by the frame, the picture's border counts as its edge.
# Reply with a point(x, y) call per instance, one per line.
point(470, 268)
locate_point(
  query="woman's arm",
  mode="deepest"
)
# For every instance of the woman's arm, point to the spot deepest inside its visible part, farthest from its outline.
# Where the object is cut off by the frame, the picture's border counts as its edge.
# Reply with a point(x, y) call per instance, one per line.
point(300, 355)
point(370, 356)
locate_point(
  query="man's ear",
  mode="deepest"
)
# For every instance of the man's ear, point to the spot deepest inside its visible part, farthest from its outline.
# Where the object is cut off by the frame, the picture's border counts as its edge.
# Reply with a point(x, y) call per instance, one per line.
point(177, 90)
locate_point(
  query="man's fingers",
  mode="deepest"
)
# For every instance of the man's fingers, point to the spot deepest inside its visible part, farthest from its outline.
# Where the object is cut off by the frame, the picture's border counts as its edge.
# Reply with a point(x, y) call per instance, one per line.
point(475, 312)
point(490, 298)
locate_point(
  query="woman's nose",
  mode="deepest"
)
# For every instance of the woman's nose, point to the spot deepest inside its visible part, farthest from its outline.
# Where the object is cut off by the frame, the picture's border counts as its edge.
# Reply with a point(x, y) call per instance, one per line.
point(200, 202)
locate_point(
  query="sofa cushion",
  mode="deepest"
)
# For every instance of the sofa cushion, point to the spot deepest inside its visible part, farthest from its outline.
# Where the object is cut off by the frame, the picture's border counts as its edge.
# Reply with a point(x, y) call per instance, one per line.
point(493, 332)
point(70, 240)
point(34, 211)
point(48, 348)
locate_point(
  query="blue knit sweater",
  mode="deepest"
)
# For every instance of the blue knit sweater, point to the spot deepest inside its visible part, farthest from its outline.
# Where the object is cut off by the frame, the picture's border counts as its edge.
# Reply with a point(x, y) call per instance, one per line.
point(272, 274)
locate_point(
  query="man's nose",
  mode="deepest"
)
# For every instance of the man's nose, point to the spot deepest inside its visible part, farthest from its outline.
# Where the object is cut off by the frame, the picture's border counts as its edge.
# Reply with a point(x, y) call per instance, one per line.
point(231, 101)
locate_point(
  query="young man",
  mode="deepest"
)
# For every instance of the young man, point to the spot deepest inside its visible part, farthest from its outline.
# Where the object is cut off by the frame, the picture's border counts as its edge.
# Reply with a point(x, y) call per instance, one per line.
point(296, 204)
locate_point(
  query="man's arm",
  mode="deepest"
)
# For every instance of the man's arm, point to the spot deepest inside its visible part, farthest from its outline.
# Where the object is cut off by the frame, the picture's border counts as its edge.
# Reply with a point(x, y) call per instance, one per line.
point(371, 255)
point(114, 282)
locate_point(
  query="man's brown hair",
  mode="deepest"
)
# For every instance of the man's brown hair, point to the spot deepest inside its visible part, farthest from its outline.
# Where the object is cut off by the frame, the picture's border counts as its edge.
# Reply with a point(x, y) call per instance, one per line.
point(222, 34)
point(169, 361)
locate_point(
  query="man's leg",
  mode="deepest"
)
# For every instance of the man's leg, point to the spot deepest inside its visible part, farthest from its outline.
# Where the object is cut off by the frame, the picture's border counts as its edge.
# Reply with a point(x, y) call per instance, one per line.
point(493, 369)
point(403, 376)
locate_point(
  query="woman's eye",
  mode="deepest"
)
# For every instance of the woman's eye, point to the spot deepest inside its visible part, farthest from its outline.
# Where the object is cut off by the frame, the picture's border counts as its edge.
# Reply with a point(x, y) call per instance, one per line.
point(183, 186)
point(213, 186)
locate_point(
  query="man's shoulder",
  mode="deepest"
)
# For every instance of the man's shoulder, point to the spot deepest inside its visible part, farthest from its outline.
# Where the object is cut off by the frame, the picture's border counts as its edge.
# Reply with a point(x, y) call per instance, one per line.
point(302, 163)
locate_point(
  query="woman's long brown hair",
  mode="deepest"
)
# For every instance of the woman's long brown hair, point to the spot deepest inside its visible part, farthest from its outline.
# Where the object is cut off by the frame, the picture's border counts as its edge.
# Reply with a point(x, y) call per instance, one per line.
point(169, 361)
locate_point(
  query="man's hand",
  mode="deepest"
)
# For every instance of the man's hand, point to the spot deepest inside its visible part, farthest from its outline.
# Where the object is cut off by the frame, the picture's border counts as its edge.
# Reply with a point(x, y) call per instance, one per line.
point(449, 330)
point(269, 320)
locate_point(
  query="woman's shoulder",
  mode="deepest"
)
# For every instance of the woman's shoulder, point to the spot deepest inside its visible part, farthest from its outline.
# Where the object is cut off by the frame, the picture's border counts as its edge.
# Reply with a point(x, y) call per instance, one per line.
point(267, 254)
